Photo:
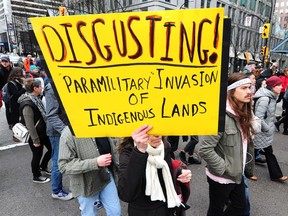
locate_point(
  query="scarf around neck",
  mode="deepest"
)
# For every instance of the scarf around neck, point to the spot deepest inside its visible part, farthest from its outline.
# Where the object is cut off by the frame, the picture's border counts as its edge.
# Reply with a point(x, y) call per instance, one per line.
point(38, 102)
point(153, 187)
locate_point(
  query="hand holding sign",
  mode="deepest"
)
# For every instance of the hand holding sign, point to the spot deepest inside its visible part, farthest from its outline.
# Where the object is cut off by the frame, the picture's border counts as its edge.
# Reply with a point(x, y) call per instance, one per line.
point(141, 137)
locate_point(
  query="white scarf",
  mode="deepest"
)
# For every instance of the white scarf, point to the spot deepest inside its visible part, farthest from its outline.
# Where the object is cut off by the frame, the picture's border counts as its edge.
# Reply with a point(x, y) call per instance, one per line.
point(153, 187)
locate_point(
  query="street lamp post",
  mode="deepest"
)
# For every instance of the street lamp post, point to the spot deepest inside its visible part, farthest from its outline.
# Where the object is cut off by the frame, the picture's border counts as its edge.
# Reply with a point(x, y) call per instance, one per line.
point(262, 21)
point(267, 40)
point(8, 34)
point(186, 2)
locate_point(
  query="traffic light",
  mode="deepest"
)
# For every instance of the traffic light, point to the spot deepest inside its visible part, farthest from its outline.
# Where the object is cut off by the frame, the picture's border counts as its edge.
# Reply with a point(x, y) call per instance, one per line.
point(62, 11)
point(263, 51)
point(266, 30)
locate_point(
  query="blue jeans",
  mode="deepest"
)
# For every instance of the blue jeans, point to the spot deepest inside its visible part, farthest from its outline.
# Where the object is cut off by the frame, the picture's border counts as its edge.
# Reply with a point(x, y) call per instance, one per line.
point(56, 176)
point(109, 198)
point(247, 210)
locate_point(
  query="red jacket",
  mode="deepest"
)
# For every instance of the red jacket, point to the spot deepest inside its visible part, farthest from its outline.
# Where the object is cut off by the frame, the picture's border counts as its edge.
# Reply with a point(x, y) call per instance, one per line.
point(284, 82)
point(27, 63)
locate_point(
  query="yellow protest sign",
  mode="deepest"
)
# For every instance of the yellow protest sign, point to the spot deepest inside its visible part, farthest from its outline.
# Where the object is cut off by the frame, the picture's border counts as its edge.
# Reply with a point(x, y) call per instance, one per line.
point(115, 72)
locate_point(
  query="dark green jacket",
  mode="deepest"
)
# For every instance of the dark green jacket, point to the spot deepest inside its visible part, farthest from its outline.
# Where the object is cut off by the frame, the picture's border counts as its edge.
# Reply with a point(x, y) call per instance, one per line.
point(224, 152)
point(78, 159)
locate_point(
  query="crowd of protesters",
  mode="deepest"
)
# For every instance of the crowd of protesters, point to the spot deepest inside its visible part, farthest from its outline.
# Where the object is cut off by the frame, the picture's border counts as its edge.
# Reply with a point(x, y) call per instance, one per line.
point(101, 168)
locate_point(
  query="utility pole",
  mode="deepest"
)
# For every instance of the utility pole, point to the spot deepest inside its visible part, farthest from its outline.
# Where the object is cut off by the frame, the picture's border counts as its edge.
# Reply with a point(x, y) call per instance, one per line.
point(267, 37)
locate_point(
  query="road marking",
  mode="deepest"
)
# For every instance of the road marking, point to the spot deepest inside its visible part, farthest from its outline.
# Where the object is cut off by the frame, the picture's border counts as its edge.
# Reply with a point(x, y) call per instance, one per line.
point(2, 148)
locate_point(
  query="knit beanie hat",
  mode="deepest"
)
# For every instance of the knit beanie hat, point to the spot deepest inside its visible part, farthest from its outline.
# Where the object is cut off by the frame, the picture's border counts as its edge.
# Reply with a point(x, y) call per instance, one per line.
point(273, 81)
point(32, 67)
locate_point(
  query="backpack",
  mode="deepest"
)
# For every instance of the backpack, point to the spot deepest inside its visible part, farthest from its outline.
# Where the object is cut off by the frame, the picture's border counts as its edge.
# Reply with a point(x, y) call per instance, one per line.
point(254, 105)
point(5, 93)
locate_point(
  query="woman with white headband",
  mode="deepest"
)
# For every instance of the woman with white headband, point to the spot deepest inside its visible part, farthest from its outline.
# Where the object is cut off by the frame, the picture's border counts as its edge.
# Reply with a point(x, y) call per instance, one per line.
point(226, 152)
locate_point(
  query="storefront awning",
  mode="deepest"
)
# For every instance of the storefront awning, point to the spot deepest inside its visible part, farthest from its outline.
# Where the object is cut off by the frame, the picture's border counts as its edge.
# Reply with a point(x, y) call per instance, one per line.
point(282, 47)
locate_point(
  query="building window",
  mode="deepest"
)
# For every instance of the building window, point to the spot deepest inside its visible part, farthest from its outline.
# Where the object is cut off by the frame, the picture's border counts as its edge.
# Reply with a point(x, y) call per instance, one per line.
point(244, 3)
point(208, 3)
point(252, 5)
point(130, 2)
point(240, 16)
point(186, 3)
point(203, 3)
point(124, 3)
point(260, 7)
point(267, 11)
point(167, 0)
point(218, 4)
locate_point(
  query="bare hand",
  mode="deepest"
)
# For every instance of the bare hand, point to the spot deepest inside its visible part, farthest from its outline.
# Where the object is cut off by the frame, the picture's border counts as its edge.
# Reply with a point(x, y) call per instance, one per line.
point(36, 145)
point(141, 137)
point(104, 160)
point(185, 176)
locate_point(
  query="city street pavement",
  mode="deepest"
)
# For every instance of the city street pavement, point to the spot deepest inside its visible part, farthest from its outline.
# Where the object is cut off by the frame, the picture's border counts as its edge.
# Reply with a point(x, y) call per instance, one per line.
point(19, 196)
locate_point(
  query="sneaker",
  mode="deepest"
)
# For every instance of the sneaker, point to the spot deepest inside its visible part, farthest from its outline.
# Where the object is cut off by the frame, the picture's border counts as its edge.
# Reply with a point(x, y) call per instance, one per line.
point(45, 171)
point(260, 160)
point(192, 160)
point(41, 179)
point(98, 204)
point(62, 195)
point(182, 156)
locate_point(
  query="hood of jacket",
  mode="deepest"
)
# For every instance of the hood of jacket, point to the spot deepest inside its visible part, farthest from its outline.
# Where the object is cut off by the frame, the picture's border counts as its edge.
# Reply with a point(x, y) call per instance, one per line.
point(47, 87)
point(23, 97)
point(264, 92)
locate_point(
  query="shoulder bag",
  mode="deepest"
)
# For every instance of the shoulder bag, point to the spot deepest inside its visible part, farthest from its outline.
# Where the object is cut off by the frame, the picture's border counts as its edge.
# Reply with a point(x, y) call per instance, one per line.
point(21, 132)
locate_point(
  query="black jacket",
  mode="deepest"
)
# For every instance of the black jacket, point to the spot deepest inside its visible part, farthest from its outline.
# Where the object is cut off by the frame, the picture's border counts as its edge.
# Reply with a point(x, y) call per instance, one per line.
point(4, 74)
point(132, 180)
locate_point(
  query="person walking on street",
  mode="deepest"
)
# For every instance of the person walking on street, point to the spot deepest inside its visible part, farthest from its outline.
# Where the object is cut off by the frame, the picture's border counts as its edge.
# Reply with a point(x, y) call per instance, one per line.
point(27, 63)
point(5, 69)
point(226, 152)
point(33, 115)
point(145, 175)
point(265, 108)
point(189, 149)
point(56, 122)
point(89, 162)
point(15, 90)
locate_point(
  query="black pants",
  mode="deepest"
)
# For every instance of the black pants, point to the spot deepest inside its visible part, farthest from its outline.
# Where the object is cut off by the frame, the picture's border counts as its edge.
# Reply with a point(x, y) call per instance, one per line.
point(8, 114)
point(159, 211)
point(272, 163)
point(189, 148)
point(219, 194)
point(37, 153)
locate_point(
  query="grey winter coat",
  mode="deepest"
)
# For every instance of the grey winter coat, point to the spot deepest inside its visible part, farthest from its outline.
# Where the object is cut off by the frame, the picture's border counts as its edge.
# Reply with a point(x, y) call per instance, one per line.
point(265, 108)
point(56, 119)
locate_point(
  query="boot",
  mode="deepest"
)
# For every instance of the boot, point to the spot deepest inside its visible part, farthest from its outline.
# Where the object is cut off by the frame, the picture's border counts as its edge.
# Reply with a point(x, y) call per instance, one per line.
point(277, 125)
point(192, 160)
point(182, 156)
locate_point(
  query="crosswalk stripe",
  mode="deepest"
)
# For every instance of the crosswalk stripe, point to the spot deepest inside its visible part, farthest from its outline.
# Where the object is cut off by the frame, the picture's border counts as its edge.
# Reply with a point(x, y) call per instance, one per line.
point(2, 148)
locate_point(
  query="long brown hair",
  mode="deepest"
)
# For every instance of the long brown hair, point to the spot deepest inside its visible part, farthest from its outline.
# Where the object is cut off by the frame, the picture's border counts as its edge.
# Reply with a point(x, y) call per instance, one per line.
point(244, 114)
point(16, 74)
point(128, 142)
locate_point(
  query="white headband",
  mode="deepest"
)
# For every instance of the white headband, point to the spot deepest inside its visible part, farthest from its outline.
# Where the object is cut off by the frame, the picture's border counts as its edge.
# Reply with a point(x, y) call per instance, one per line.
point(238, 83)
